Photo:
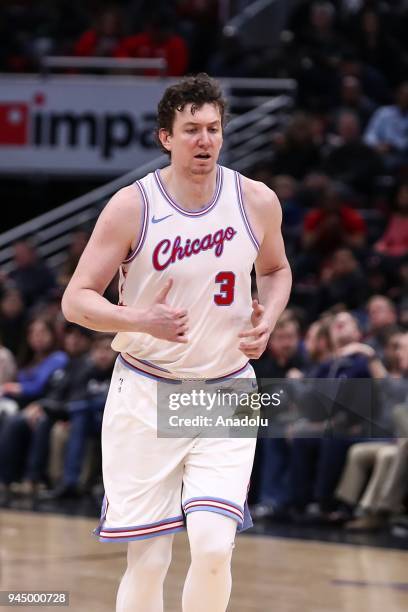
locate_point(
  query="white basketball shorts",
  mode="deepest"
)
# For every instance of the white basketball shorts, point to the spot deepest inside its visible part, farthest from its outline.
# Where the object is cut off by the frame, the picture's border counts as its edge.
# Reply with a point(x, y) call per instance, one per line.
point(152, 483)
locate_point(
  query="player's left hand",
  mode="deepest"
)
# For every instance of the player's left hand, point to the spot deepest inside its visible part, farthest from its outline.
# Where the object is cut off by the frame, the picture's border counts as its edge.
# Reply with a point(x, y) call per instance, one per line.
point(256, 338)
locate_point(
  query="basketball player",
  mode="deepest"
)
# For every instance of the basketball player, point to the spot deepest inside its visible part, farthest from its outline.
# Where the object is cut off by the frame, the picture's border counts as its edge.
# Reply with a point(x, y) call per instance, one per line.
point(184, 239)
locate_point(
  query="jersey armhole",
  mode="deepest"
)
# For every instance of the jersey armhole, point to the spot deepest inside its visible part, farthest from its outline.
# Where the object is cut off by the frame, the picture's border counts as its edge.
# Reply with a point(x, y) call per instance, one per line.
point(251, 233)
point(143, 231)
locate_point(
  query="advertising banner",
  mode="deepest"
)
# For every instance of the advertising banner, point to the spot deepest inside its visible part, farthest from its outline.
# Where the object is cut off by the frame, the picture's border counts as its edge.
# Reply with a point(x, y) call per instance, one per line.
point(77, 125)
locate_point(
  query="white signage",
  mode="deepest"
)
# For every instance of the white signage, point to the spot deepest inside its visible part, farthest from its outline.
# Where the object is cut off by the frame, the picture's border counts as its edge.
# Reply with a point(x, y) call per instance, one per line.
point(74, 124)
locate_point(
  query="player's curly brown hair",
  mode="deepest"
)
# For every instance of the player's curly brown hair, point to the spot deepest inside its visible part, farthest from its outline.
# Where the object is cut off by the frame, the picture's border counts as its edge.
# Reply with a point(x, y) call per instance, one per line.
point(195, 90)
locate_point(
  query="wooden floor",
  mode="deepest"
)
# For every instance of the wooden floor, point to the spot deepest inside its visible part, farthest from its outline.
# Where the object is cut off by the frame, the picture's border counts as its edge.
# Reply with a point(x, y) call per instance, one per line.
point(43, 552)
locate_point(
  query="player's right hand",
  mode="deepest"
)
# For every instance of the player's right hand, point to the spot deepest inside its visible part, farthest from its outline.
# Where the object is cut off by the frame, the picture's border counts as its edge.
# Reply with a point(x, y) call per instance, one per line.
point(164, 322)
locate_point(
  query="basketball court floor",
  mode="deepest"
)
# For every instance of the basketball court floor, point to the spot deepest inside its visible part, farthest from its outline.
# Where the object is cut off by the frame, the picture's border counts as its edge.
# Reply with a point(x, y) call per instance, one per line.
point(45, 551)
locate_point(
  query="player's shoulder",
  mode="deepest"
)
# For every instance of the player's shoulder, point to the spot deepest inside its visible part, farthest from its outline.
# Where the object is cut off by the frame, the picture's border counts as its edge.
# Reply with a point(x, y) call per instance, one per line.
point(126, 200)
point(259, 196)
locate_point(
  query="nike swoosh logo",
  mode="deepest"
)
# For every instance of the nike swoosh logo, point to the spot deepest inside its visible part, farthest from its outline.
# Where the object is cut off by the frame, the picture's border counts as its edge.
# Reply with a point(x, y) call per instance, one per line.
point(154, 220)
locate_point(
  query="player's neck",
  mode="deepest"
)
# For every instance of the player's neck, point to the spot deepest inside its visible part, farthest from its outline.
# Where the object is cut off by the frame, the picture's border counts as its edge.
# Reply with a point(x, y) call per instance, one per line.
point(190, 191)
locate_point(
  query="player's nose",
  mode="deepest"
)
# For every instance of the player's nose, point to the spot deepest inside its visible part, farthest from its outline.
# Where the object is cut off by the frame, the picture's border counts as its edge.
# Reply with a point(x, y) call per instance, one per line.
point(204, 138)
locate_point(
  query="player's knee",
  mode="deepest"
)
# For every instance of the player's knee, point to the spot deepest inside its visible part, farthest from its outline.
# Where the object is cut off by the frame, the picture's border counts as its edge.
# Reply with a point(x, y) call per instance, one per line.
point(357, 453)
point(387, 453)
point(149, 560)
point(212, 555)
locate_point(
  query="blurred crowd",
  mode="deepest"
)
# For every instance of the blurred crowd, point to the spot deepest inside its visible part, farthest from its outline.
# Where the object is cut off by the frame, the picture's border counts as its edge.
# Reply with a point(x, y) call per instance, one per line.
point(54, 379)
point(340, 169)
point(183, 32)
point(322, 41)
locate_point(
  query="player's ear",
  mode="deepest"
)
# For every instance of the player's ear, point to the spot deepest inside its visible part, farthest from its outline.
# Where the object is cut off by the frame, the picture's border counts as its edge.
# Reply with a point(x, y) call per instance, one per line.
point(165, 138)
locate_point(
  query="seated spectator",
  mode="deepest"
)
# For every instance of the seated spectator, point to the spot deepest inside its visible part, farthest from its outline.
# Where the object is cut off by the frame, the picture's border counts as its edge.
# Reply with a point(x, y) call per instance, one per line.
point(8, 371)
point(341, 282)
point(394, 242)
point(102, 39)
point(373, 484)
point(31, 275)
point(12, 320)
point(286, 188)
point(352, 99)
point(333, 224)
point(376, 47)
point(387, 131)
point(75, 250)
point(25, 436)
point(320, 442)
point(85, 413)
point(283, 350)
point(271, 465)
point(158, 40)
point(373, 82)
point(296, 152)
point(351, 160)
point(39, 361)
point(8, 368)
point(382, 318)
point(318, 45)
point(394, 339)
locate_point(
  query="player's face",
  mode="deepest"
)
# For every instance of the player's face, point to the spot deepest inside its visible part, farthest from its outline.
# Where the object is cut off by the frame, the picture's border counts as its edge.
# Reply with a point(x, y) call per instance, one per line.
point(196, 139)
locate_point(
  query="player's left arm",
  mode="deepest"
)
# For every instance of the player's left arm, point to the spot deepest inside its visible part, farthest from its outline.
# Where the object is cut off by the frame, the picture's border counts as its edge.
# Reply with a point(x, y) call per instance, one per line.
point(273, 274)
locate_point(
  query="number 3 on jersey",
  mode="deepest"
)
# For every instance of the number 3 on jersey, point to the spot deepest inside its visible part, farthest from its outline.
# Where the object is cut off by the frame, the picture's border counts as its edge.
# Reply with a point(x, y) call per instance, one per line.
point(227, 288)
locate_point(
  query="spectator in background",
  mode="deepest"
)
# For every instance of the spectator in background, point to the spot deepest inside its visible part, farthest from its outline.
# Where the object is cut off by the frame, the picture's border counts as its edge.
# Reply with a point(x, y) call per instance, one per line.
point(8, 368)
point(84, 410)
point(39, 361)
point(25, 436)
point(373, 484)
point(342, 282)
point(31, 276)
point(283, 350)
point(296, 152)
point(373, 82)
point(351, 160)
point(352, 99)
point(394, 242)
point(320, 441)
point(8, 371)
point(382, 318)
point(102, 39)
point(75, 250)
point(387, 131)
point(158, 40)
point(12, 320)
point(394, 340)
point(333, 224)
point(319, 47)
point(319, 350)
point(376, 47)
point(286, 188)
point(271, 464)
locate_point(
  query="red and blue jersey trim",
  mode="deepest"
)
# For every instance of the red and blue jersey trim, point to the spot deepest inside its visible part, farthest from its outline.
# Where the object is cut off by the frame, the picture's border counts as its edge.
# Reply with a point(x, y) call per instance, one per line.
point(244, 216)
point(191, 213)
point(145, 223)
point(145, 368)
point(215, 504)
point(141, 532)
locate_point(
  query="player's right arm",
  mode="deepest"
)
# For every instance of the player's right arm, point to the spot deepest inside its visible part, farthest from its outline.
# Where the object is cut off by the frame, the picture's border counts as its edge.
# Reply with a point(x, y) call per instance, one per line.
point(110, 243)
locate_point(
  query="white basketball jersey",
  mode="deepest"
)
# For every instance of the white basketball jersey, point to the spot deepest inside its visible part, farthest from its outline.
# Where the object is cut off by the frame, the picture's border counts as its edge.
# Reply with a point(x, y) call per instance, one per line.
point(209, 254)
